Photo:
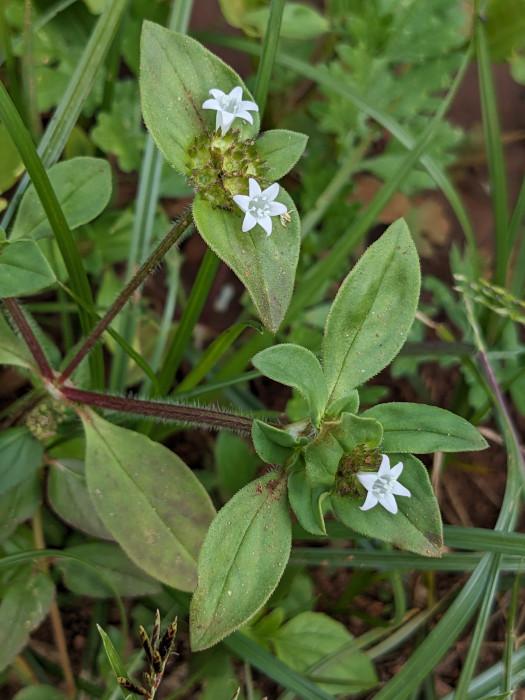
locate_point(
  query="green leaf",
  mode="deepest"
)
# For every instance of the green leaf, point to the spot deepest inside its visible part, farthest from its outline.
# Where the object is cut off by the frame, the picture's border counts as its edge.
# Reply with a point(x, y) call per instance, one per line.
point(83, 188)
point(176, 75)
point(234, 579)
point(25, 603)
point(306, 502)
point(295, 366)
point(416, 526)
point(372, 312)
point(69, 496)
point(18, 504)
point(335, 439)
point(23, 269)
point(412, 427)
point(349, 403)
point(150, 501)
point(313, 642)
point(235, 462)
point(274, 446)
point(114, 659)
point(299, 21)
point(126, 578)
point(264, 264)
point(40, 692)
point(13, 350)
point(12, 165)
point(20, 456)
point(281, 149)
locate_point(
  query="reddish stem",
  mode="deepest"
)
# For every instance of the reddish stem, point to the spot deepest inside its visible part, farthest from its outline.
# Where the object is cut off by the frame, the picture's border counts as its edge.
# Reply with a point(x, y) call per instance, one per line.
point(146, 268)
point(31, 340)
point(157, 409)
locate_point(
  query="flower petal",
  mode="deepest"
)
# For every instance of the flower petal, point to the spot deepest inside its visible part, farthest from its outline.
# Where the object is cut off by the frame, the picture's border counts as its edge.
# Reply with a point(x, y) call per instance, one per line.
point(245, 115)
point(254, 188)
point(389, 502)
point(266, 223)
point(396, 471)
point(276, 208)
point(242, 201)
point(400, 490)
point(385, 466)
point(246, 104)
point(217, 93)
point(236, 93)
point(271, 192)
point(211, 104)
point(248, 223)
point(370, 502)
point(368, 480)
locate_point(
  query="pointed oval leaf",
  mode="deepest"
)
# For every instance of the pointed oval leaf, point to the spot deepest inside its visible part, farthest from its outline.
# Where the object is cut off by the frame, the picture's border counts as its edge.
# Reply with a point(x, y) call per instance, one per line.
point(241, 561)
point(267, 441)
point(176, 76)
point(296, 366)
point(306, 502)
point(413, 427)
point(83, 188)
point(281, 150)
point(416, 526)
point(69, 496)
point(150, 501)
point(126, 578)
point(372, 312)
point(314, 643)
point(264, 264)
point(18, 504)
point(25, 603)
point(23, 269)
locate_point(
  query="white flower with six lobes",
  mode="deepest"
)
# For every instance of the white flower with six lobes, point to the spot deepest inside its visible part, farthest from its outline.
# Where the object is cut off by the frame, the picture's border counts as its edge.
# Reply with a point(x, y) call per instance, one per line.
point(383, 486)
point(229, 107)
point(259, 206)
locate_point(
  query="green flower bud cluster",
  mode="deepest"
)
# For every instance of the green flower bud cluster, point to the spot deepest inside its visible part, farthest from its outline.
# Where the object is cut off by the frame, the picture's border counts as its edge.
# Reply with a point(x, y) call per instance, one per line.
point(220, 166)
point(44, 419)
point(362, 458)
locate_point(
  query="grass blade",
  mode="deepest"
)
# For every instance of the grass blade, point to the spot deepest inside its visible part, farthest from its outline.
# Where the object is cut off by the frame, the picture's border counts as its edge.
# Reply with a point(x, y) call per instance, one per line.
point(496, 163)
point(57, 221)
point(269, 51)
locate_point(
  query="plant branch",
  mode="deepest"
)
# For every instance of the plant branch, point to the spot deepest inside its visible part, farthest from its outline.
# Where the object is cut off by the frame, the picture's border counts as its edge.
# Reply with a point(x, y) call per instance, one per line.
point(31, 340)
point(176, 233)
point(162, 411)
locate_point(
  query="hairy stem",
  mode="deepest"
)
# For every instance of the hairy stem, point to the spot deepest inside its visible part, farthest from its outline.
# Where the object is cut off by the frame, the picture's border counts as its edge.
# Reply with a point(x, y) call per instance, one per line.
point(144, 271)
point(30, 338)
point(163, 411)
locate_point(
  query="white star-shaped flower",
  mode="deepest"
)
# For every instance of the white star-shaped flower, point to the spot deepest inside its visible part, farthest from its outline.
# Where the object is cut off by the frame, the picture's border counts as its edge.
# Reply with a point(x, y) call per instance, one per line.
point(229, 107)
point(383, 486)
point(259, 206)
